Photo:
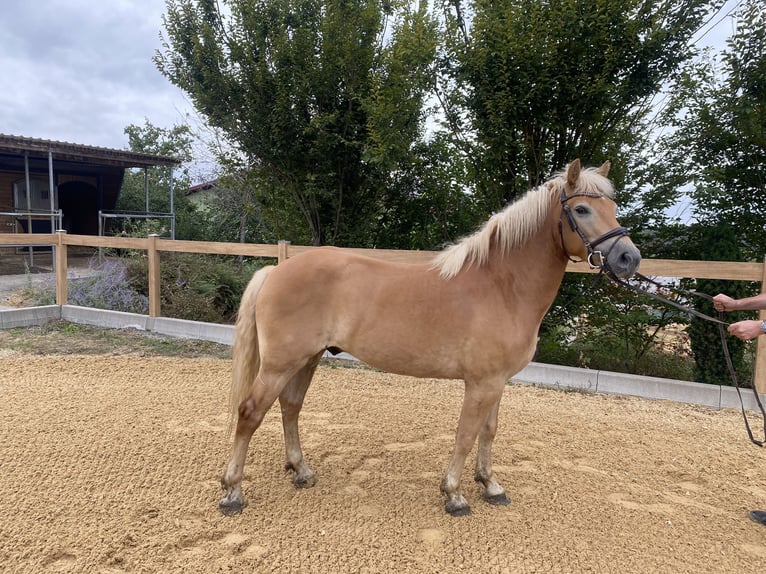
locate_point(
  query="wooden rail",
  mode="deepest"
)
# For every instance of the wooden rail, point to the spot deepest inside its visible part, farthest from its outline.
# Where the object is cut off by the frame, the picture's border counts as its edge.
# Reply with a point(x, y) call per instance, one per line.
point(153, 245)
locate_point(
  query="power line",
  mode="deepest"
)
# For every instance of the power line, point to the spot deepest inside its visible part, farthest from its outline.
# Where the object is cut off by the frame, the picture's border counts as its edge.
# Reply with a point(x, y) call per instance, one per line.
point(665, 100)
point(714, 26)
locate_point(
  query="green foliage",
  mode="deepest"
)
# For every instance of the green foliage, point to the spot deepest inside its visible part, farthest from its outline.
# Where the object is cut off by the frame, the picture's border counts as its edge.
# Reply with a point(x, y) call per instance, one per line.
point(595, 322)
point(715, 155)
point(545, 82)
point(323, 98)
point(603, 351)
point(173, 142)
point(709, 359)
point(234, 212)
point(715, 148)
point(144, 227)
point(195, 287)
point(716, 243)
point(425, 204)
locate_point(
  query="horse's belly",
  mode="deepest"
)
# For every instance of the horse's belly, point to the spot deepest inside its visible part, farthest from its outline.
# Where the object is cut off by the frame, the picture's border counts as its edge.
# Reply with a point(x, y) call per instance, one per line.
point(436, 356)
point(414, 361)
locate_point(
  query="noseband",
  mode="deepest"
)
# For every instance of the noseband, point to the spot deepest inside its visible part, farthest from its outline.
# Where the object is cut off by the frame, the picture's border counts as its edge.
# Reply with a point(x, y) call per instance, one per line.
point(590, 245)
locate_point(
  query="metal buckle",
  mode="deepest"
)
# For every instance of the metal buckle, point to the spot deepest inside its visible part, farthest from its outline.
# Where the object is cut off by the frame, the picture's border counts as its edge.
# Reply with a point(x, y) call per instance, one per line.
point(601, 258)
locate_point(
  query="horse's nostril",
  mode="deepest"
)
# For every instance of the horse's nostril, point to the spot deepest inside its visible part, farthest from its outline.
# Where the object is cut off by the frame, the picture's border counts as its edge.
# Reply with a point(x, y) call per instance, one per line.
point(630, 260)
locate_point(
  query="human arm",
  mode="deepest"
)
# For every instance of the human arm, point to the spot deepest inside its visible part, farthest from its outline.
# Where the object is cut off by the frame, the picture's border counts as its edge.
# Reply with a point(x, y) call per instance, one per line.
point(723, 302)
point(746, 330)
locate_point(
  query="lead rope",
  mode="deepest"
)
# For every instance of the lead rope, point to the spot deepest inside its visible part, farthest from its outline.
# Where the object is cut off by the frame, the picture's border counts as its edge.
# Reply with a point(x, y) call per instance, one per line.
point(733, 375)
point(721, 324)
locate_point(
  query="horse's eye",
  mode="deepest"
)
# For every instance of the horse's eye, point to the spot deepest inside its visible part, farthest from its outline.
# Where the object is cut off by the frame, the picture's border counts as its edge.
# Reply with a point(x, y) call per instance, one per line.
point(581, 210)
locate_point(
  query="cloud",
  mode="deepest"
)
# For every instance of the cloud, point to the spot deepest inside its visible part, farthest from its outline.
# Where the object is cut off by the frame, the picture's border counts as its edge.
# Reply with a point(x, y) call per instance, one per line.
point(81, 71)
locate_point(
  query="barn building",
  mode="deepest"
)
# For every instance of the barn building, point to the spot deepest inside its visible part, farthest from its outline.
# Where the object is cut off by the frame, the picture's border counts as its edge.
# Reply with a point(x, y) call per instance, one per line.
point(47, 185)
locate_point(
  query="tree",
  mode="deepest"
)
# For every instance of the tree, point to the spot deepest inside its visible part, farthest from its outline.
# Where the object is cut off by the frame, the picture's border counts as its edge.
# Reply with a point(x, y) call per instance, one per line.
point(174, 142)
point(714, 157)
point(543, 83)
point(425, 204)
point(240, 210)
point(715, 242)
point(716, 150)
point(324, 98)
point(528, 86)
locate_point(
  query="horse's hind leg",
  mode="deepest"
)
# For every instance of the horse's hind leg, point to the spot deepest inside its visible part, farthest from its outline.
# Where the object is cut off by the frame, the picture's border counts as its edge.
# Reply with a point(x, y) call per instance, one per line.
point(291, 401)
point(493, 492)
point(250, 415)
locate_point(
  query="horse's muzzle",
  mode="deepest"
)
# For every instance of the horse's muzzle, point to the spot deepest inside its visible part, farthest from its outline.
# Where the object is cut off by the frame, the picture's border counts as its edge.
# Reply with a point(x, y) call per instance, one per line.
point(623, 258)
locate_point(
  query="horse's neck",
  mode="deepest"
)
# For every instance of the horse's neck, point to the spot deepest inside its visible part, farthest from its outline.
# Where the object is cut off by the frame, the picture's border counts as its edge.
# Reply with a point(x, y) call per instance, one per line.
point(532, 272)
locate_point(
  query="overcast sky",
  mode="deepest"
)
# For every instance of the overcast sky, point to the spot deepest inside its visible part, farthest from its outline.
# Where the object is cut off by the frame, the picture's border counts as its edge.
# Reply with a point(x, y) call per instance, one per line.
point(81, 70)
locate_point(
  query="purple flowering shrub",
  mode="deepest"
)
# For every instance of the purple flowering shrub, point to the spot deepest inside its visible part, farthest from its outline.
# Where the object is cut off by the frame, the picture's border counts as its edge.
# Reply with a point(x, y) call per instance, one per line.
point(192, 287)
point(105, 286)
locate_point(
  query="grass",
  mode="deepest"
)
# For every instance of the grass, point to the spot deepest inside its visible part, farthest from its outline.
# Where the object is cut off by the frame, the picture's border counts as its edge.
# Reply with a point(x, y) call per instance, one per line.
point(61, 337)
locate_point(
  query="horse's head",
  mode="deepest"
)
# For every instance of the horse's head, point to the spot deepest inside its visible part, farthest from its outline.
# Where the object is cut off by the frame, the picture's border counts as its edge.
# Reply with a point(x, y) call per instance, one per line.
point(588, 225)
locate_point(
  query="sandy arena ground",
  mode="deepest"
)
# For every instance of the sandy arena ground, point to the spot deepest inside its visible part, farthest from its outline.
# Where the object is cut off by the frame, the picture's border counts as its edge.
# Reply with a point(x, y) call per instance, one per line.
point(111, 464)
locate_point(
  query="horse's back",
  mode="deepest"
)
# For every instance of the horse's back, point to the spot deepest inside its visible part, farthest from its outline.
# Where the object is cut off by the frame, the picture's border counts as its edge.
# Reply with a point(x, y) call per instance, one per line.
point(336, 273)
point(330, 282)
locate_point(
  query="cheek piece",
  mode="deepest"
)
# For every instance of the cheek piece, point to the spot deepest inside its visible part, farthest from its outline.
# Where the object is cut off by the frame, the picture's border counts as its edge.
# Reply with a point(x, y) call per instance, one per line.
point(617, 232)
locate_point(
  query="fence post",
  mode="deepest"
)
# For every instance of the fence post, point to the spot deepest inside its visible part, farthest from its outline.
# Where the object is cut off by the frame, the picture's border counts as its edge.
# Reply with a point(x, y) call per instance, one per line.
point(759, 374)
point(61, 268)
point(282, 248)
point(153, 261)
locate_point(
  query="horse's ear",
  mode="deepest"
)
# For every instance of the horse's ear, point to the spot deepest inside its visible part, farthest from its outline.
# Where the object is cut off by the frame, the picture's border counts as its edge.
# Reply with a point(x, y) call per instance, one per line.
point(604, 169)
point(573, 173)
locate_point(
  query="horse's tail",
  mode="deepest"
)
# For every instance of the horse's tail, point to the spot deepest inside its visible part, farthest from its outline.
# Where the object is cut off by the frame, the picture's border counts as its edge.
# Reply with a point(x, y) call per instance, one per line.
point(246, 357)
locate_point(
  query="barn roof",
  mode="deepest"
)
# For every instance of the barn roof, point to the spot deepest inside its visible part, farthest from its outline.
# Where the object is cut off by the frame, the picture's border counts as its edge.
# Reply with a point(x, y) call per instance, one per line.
point(84, 154)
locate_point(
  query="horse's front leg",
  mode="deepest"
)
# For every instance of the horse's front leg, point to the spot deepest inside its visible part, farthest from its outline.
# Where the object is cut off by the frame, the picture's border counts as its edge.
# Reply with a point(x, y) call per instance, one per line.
point(479, 400)
point(494, 493)
point(249, 418)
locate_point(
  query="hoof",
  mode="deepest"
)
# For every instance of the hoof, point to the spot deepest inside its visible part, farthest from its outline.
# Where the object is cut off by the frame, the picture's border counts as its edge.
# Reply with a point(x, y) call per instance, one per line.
point(498, 499)
point(304, 481)
point(231, 506)
point(457, 510)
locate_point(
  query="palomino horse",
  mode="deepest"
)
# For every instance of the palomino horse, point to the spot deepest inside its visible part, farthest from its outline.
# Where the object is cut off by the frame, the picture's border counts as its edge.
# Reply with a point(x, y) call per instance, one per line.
point(472, 314)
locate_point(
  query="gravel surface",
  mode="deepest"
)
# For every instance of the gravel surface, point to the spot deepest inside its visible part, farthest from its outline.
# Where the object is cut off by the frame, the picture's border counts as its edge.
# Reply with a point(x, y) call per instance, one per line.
point(111, 464)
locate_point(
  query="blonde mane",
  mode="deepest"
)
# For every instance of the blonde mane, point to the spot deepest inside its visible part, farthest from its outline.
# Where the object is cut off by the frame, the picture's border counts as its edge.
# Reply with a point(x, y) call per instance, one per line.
point(511, 227)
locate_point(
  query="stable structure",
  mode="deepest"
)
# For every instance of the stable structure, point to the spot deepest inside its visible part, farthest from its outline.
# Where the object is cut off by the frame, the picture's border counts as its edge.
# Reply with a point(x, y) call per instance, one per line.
point(48, 185)
point(202, 193)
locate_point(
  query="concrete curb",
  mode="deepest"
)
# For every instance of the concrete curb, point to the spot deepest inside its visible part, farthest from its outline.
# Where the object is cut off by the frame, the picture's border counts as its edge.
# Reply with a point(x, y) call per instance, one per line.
point(12, 318)
point(223, 334)
point(552, 376)
point(107, 319)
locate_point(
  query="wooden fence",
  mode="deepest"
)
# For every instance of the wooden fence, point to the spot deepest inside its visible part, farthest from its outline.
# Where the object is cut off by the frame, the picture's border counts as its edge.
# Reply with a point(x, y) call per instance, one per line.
point(153, 246)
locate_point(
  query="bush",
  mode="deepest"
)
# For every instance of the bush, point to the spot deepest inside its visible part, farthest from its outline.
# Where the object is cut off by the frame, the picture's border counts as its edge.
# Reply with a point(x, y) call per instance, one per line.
point(195, 287)
point(594, 350)
point(106, 286)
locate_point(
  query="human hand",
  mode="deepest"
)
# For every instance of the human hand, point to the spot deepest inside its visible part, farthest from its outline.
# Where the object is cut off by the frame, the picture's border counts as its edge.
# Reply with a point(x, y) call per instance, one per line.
point(723, 302)
point(745, 330)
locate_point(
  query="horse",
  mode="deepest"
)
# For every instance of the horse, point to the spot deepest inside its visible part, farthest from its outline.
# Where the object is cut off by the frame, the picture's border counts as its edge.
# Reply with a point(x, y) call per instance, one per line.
point(473, 313)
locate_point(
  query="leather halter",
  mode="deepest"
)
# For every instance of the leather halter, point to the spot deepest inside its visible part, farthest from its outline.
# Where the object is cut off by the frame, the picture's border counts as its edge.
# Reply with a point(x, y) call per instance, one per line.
point(590, 245)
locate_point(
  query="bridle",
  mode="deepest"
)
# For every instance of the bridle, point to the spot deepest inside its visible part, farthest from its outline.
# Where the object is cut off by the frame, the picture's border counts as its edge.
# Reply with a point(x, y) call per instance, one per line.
point(617, 232)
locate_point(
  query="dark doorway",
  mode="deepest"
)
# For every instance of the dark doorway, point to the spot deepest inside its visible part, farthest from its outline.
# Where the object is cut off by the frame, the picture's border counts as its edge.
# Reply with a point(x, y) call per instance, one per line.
point(79, 204)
